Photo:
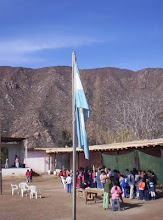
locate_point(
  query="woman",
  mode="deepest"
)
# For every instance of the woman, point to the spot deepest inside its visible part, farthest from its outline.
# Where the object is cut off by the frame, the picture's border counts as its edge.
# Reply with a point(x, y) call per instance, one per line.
point(17, 162)
point(106, 197)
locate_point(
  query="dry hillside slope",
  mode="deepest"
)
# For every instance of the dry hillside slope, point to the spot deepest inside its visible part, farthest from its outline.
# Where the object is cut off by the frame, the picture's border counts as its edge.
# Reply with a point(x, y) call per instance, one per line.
point(36, 103)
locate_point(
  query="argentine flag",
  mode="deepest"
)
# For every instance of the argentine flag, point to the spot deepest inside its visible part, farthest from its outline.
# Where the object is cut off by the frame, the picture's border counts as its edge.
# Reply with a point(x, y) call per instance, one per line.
point(82, 112)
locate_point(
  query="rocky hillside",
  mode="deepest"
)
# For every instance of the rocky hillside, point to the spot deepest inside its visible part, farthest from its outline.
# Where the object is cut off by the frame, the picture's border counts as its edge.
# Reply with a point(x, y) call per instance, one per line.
point(36, 103)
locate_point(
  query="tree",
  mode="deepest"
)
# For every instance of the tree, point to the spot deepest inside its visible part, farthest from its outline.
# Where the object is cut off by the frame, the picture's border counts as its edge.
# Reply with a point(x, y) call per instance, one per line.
point(140, 117)
point(134, 118)
point(65, 139)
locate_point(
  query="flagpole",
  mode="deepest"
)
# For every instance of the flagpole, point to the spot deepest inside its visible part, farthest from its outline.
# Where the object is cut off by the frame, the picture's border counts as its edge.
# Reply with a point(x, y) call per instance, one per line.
point(0, 160)
point(74, 138)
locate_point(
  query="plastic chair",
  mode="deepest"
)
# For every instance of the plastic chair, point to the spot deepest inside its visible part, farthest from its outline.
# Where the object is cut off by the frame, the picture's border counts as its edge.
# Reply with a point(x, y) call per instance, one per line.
point(63, 182)
point(24, 188)
point(34, 192)
point(14, 188)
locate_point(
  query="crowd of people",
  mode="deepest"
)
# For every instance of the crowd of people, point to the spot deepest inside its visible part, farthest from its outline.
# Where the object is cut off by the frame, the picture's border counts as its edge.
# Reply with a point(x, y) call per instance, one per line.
point(138, 184)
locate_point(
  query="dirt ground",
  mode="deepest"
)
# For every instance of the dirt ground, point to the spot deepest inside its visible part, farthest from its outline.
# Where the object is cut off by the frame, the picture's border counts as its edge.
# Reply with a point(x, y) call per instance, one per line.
point(57, 204)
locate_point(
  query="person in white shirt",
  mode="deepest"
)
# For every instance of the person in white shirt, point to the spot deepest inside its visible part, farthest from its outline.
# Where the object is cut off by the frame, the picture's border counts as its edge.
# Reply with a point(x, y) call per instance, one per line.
point(69, 183)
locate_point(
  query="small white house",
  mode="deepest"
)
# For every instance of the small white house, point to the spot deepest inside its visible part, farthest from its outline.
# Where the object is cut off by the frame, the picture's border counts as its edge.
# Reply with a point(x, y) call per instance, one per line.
point(10, 148)
point(38, 160)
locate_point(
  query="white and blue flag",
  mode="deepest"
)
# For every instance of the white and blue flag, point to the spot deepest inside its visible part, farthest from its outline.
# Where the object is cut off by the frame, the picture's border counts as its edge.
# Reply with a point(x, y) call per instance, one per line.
point(82, 112)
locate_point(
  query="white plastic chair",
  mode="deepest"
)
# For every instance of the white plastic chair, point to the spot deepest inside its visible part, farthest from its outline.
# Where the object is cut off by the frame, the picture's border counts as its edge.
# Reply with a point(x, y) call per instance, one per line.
point(24, 188)
point(14, 188)
point(34, 192)
point(63, 182)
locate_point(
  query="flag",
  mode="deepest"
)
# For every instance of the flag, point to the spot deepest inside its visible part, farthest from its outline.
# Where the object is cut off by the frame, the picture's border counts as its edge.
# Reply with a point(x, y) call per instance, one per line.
point(82, 112)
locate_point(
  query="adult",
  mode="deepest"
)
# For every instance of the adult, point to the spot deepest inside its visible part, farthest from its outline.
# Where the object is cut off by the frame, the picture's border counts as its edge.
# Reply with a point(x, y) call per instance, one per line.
point(137, 180)
point(86, 175)
point(153, 175)
point(16, 162)
point(115, 178)
point(106, 198)
point(78, 179)
point(146, 181)
point(99, 186)
point(131, 183)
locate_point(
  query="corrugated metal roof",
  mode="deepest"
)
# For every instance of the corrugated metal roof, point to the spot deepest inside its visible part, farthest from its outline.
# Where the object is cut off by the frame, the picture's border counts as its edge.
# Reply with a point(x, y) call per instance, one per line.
point(109, 147)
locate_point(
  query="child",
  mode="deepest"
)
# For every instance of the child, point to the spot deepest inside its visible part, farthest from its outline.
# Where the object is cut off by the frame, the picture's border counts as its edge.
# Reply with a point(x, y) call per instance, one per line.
point(152, 188)
point(64, 173)
point(141, 186)
point(103, 178)
point(68, 182)
point(94, 179)
point(30, 175)
point(27, 176)
point(124, 186)
point(60, 173)
point(146, 191)
point(115, 192)
point(109, 173)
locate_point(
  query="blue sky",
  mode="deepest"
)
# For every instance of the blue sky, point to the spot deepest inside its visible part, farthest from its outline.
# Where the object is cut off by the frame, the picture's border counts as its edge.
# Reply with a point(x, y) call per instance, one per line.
point(115, 33)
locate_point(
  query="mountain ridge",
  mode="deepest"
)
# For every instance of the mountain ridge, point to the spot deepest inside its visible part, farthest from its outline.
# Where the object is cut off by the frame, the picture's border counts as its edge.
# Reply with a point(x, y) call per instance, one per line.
point(36, 103)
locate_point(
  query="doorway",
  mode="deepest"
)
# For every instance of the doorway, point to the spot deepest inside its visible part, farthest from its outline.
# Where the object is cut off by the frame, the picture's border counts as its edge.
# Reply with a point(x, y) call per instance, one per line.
point(4, 155)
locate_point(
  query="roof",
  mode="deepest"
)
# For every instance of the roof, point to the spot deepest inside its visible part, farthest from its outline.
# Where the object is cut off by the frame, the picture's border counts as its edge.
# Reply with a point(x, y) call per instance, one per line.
point(11, 139)
point(109, 147)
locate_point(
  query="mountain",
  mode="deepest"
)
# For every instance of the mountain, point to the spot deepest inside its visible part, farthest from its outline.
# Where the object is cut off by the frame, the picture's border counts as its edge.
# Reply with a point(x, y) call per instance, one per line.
point(36, 104)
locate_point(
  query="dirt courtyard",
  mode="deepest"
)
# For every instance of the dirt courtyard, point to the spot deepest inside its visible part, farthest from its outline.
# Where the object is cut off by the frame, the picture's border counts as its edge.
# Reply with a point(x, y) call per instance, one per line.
point(57, 204)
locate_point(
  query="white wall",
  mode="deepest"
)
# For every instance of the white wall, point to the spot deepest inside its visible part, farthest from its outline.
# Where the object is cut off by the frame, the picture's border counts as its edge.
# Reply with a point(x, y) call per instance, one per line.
point(38, 161)
point(14, 172)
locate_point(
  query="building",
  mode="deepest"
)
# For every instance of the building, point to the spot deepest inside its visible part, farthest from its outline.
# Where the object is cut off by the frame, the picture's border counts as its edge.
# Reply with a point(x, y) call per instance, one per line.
point(42, 160)
point(151, 147)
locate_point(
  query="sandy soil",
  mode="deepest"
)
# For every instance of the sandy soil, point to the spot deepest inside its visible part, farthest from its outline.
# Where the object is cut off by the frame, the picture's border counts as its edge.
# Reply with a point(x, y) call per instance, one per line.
point(57, 204)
